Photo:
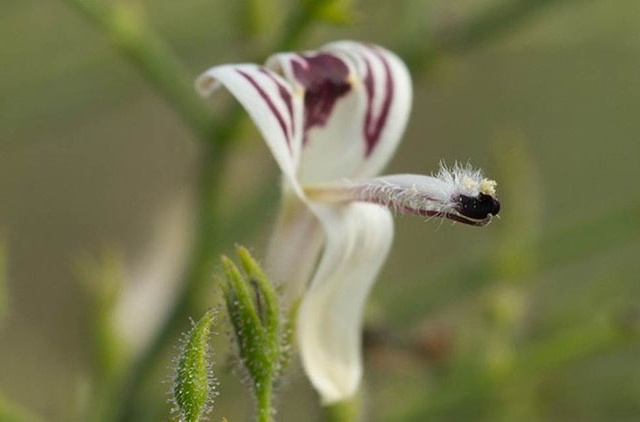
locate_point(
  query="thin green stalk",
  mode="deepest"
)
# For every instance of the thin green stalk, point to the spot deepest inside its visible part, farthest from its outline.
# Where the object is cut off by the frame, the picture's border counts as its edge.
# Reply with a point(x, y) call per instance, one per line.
point(344, 411)
point(201, 265)
point(265, 402)
point(197, 277)
point(125, 25)
point(298, 24)
point(487, 26)
point(491, 23)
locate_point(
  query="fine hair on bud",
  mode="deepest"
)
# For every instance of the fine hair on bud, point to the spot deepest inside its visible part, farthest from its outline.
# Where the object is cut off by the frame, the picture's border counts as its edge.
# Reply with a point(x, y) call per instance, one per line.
point(193, 385)
point(261, 334)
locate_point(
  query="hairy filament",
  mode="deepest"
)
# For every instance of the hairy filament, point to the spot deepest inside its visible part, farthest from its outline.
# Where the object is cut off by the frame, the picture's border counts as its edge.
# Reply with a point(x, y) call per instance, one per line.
point(460, 193)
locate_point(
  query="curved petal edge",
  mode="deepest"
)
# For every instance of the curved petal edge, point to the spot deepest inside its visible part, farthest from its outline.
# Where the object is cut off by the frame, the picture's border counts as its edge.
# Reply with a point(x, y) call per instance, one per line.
point(272, 104)
point(329, 327)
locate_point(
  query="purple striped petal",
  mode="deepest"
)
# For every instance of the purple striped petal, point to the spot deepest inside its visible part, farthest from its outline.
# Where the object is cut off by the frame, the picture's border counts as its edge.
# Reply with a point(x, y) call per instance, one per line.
point(357, 100)
point(325, 79)
point(271, 102)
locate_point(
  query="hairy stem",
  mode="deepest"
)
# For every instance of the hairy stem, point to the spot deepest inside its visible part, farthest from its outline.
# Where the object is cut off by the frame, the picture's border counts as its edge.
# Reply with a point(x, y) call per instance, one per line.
point(264, 395)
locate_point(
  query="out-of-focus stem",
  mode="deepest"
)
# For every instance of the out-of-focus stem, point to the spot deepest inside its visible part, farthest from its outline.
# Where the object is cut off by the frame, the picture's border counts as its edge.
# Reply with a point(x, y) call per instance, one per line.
point(298, 24)
point(125, 25)
point(476, 32)
point(198, 275)
point(13, 412)
point(344, 411)
point(265, 402)
point(565, 349)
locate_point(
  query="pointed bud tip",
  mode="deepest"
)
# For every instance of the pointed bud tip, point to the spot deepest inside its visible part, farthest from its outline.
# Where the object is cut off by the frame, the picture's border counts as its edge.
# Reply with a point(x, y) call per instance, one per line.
point(254, 311)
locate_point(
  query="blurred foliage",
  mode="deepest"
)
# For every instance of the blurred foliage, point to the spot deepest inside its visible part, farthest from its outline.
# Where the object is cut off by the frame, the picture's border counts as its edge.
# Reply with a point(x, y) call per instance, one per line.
point(534, 318)
point(4, 301)
point(101, 281)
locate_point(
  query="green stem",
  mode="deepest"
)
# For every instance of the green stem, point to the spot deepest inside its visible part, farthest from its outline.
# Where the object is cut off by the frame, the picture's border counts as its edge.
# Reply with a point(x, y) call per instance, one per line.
point(298, 24)
point(478, 31)
point(344, 411)
point(202, 262)
point(126, 27)
point(196, 279)
point(146, 51)
point(264, 395)
point(491, 23)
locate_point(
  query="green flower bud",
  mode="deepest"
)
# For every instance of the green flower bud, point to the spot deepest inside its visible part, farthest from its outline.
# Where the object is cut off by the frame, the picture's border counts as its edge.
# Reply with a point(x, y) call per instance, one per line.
point(254, 312)
point(193, 389)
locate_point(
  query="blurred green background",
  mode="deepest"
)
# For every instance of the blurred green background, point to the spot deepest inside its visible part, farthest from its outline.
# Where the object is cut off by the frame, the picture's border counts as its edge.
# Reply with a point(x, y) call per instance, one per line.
point(532, 318)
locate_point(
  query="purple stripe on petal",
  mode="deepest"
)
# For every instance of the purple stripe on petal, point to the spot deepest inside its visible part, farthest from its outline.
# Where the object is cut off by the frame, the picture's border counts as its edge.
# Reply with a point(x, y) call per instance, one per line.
point(373, 125)
point(368, 117)
point(285, 95)
point(270, 104)
point(325, 79)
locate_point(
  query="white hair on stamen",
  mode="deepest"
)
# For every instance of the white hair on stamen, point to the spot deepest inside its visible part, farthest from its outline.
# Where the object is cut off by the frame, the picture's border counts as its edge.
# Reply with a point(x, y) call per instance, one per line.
point(465, 180)
point(439, 195)
point(436, 194)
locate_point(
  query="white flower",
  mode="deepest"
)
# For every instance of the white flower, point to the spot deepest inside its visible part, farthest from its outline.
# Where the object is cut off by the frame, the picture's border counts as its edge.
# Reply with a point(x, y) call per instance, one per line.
point(332, 119)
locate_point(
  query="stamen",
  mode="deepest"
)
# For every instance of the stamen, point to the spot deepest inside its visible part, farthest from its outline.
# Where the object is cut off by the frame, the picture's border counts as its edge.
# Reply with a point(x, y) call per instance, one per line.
point(461, 194)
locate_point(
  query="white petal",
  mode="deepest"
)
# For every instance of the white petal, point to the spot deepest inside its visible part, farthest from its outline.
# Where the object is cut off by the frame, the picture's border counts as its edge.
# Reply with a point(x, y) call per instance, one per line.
point(358, 237)
point(294, 248)
point(272, 104)
point(357, 103)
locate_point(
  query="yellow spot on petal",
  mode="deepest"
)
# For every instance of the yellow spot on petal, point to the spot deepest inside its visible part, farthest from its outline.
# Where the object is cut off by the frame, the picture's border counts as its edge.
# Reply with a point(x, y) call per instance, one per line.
point(298, 90)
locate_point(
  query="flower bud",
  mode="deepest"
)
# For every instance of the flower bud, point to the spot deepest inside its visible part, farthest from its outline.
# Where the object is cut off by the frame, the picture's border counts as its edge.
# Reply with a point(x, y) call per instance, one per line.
point(193, 388)
point(254, 312)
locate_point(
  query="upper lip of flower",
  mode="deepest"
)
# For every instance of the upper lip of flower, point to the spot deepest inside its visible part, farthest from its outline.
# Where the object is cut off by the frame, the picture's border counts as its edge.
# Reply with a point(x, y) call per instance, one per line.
point(332, 119)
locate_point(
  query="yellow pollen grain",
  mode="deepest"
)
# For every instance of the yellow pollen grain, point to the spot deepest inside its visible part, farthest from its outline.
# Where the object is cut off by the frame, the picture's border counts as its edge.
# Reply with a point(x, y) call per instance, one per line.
point(488, 187)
